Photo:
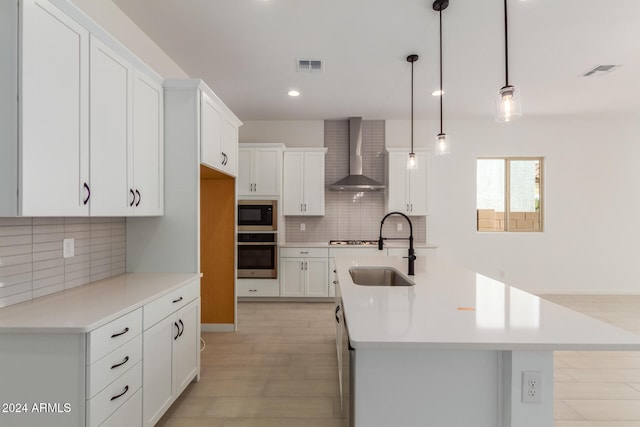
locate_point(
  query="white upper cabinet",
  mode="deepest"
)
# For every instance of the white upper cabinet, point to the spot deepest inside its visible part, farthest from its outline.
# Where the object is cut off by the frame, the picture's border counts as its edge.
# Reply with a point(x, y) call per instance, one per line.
point(407, 189)
point(54, 105)
point(110, 130)
point(148, 146)
point(260, 169)
point(69, 138)
point(218, 134)
point(303, 192)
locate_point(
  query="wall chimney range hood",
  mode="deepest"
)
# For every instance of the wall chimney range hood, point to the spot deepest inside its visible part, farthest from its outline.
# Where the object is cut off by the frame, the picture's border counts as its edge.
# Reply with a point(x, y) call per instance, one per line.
point(356, 181)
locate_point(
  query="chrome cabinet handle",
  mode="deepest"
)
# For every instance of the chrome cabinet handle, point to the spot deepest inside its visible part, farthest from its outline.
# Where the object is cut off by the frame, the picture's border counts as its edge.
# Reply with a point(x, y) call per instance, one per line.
point(126, 359)
point(126, 389)
point(124, 331)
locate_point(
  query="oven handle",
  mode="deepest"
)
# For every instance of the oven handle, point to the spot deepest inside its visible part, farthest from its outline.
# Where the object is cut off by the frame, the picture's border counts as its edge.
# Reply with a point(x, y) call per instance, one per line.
point(257, 244)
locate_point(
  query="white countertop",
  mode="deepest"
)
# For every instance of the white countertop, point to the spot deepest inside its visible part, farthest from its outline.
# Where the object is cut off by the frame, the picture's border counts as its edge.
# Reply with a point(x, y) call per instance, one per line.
point(453, 308)
point(88, 307)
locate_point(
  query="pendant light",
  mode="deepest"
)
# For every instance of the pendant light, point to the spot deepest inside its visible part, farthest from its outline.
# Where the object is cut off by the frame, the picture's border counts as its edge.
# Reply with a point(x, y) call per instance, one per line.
point(443, 145)
point(412, 162)
point(508, 98)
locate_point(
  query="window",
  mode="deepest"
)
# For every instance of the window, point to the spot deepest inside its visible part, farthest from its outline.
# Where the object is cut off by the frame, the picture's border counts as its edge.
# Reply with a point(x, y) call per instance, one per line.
point(509, 194)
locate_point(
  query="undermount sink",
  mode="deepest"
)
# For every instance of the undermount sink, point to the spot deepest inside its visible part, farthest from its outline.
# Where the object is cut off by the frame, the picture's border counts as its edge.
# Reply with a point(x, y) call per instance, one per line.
point(378, 276)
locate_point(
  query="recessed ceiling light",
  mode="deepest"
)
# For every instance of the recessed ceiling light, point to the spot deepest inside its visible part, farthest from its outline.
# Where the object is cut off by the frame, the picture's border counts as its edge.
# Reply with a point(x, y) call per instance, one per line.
point(293, 93)
point(437, 92)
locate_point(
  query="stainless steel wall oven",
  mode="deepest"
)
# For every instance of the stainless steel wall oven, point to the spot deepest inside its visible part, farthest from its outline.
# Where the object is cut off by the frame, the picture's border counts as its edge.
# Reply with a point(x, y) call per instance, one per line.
point(258, 255)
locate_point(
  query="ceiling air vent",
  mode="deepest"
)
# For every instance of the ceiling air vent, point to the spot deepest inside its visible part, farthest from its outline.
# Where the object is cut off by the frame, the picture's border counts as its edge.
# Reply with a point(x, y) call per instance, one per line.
point(309, 66)
point(600, 70)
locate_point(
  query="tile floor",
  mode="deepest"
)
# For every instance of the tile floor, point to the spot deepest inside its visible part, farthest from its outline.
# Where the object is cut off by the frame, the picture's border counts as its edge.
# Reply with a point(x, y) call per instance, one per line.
point(279, 370)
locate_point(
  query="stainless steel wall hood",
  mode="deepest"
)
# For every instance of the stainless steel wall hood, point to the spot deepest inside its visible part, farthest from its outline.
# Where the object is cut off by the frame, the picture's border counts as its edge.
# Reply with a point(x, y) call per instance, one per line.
point(355, 181)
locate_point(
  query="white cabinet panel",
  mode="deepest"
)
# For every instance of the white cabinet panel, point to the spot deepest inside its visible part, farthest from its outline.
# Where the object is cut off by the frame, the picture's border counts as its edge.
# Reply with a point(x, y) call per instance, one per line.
point(303, 192)
point(185, 351)
point(229, 147)
point(291, 277)
point(407, 189)
point(316, 270)
point(54, 153)
point(110, 137)
point(148, 147)
point(304, 272)
point(210, 132)
point(260, 171)
point(156, 374)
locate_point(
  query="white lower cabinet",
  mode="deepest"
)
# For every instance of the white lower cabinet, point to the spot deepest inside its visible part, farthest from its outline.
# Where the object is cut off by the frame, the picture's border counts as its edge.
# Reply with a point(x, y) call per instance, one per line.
point(129, 414)
point(171, 356)
point(304, 272)
point(258, 288)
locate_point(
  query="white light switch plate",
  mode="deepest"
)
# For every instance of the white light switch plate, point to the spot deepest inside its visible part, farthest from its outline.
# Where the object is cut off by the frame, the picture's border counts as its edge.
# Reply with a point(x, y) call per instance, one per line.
point(68, 246)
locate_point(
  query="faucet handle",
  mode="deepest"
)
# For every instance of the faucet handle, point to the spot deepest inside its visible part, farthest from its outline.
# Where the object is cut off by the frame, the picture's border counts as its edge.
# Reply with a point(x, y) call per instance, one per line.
point(380, 243)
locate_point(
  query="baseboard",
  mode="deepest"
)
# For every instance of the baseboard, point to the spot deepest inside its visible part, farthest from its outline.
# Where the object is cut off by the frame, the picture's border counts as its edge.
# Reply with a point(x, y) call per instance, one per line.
point(217, 327)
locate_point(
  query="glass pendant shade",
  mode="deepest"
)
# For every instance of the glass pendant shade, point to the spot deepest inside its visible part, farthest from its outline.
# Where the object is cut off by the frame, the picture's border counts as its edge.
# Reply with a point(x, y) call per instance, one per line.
point(412, 161)
point(443, 144)
point(508, 106)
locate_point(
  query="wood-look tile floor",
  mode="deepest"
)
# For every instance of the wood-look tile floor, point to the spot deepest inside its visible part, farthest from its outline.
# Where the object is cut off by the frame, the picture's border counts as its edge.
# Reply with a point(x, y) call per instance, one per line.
point(280, 370)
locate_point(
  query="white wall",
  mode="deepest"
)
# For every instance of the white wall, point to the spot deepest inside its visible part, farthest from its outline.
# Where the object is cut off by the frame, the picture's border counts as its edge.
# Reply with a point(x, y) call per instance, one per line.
point(292, 133)
point(119, 25)
point(592, 195)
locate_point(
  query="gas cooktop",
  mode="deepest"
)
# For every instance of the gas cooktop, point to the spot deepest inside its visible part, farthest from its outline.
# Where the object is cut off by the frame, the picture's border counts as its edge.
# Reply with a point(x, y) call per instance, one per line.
point(354, 242)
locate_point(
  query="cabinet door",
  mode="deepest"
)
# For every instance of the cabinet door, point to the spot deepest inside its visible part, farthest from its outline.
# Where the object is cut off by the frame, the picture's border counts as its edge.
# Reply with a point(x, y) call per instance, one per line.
point(245, 172)
point(210, 133)
point(317, 283)
point(148, 149)
point(418, 186)
point(156, 369)
point(292, 194)
point(313, 183)
point(186, 347)
point(267, 171)
point(54, 98)
point(229, 148)
point(398, 189)
point(292, 277)
point(110, 113)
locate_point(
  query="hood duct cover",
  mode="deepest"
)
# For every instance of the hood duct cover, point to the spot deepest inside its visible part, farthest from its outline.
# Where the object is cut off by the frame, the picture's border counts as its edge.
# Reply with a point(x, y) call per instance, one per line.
point(355, 181)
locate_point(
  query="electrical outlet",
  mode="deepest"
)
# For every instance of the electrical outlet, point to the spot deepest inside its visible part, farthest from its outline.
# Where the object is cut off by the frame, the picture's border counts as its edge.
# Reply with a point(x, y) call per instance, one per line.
point(399, 226)
point(302, 227)
point(68, 248)
point(531, 387)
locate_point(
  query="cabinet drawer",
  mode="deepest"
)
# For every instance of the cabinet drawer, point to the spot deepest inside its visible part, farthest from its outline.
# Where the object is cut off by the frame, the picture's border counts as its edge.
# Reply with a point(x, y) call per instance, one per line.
point(107, 338)
point(167, 304)
point(257, 288)
point(304, 252)
point(128, 415)
point(114, 396)
point(114, 364)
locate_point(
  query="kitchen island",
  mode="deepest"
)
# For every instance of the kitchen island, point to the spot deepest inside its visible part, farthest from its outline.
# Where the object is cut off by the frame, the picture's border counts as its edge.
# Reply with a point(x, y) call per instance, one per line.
point(454, 348)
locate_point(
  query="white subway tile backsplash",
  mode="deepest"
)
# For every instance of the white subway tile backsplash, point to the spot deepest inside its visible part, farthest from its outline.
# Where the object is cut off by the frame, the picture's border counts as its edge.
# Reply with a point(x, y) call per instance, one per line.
point(31, 263)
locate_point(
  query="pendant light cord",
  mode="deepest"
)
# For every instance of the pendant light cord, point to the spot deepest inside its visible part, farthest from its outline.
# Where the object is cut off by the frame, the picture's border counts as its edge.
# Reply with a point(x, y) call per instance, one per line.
point(412, 106)
point(506, 46)
point(441, 91)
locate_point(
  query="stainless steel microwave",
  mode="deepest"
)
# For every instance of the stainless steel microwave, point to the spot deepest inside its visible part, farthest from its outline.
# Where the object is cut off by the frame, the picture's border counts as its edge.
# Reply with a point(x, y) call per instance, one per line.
point(257, 215)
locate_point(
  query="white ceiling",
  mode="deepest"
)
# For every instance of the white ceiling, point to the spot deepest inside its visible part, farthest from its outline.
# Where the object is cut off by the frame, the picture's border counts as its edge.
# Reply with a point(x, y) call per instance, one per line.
point(246, 51)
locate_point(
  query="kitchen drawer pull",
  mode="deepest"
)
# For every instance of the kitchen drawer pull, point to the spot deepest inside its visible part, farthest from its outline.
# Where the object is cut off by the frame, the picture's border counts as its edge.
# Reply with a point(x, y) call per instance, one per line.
point(177, 300)
point(253, 290)
point(304, 252)
point(181, 324)
point(139, 198)
point(124, 331)
point(126, 389)
point(178, 328)
point(85, 201)
point(133, 197)
point(117, 365)
point(335, 282)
